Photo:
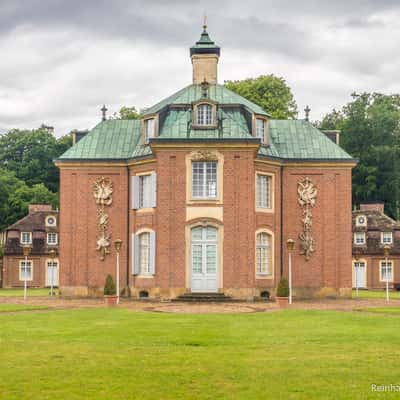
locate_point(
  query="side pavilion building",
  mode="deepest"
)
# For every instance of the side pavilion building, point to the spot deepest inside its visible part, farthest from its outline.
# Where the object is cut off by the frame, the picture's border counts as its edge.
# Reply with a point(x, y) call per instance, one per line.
point(204, 192)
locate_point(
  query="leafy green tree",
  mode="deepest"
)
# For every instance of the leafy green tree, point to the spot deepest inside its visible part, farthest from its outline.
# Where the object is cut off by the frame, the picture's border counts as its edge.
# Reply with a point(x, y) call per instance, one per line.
point(127, 113)
point(270, 92)
point(15, 197)
point(370, 126)
point(30, 153)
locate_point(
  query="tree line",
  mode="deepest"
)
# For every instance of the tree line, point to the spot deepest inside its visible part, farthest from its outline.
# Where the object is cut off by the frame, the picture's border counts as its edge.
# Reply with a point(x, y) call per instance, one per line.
point(369, 125)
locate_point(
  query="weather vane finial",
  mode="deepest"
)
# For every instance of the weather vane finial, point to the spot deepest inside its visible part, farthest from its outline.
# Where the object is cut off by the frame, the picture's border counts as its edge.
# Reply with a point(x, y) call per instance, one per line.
point(205, 22)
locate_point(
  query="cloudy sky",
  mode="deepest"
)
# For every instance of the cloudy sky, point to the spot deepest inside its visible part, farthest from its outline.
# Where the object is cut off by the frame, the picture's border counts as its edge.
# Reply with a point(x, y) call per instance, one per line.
point(61, 60)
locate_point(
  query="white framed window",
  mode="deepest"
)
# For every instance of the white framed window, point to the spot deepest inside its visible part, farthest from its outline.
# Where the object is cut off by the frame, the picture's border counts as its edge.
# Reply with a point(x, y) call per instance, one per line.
point(149, 129)
point(361, 220)
point(264, 191)
point(204, 113)
point(260, 129)
point(26, 237)
point(359, 238)
point(386, 237)
point(25, 270)
point(52, 238)
point(386, 271)
point(52, 273)
point(204, 179)
point(144, 253)
point(144, 191)
point(263, 253)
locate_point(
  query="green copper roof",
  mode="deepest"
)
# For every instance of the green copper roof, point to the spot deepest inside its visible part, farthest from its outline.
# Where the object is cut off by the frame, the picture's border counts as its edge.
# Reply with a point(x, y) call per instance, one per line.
point(217, 93)
point(299, 139)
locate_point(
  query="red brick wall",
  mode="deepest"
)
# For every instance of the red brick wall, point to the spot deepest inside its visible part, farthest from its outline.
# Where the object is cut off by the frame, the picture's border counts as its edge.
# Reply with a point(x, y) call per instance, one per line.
point(80, 261)
point(329, 266)
point(11, 271)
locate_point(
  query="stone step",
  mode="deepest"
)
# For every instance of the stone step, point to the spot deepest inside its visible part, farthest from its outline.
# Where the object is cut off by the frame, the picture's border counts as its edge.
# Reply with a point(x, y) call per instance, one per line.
point(203, 297)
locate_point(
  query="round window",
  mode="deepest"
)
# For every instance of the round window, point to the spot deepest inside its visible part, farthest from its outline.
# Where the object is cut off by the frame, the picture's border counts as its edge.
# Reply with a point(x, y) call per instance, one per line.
point(51, 221)
point(361, 220)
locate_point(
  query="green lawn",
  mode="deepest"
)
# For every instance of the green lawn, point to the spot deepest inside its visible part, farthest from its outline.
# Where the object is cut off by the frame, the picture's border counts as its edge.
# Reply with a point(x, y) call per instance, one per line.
point(376, 294)
point(19, 307)
point(383, 310)
point(121, 354)
point(32, 292)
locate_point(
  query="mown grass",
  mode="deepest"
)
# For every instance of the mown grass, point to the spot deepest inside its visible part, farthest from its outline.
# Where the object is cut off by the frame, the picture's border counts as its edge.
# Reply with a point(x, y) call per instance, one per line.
point(383, 310)
point(31, 292)
point(121, 354)
point(375, 294)
point(19, 307)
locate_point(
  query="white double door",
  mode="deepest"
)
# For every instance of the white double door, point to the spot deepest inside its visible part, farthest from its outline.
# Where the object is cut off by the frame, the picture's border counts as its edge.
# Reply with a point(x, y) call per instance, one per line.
point(204, 259)
point(52, 273)
point(359, 274)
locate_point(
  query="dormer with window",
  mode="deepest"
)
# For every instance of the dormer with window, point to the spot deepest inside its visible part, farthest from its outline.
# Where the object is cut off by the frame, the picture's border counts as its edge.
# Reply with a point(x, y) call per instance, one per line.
point(26, 238)
point(260, 128)
point(204, 115)
point(386, 238)
point(149, 128)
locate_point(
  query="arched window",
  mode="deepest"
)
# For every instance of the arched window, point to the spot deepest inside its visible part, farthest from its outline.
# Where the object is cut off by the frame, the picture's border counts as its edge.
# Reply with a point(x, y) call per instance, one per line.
point(263, 254)
point(204, 114)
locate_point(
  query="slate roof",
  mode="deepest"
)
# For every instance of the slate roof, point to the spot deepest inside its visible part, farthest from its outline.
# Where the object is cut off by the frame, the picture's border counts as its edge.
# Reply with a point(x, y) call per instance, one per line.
point(290, 139)
point(377, 222)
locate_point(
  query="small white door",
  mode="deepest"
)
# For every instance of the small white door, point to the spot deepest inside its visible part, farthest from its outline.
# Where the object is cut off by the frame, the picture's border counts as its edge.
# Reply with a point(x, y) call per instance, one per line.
point(359, 274)
point(204, 259)
point(52, 273)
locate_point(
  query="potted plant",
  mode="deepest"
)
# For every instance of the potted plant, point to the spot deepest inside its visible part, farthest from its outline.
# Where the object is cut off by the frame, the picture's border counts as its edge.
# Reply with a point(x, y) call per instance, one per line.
point(282, 293)
point(110, 293)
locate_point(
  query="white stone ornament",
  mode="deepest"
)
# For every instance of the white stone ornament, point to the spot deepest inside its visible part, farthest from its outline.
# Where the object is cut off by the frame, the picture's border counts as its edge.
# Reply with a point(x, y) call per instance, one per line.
point(307, 193)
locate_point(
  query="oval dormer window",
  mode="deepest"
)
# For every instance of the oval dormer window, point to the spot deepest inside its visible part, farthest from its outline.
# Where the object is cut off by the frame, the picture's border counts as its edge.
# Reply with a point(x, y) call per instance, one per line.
point(260, 129)
point(204, 114)
point(149, 129)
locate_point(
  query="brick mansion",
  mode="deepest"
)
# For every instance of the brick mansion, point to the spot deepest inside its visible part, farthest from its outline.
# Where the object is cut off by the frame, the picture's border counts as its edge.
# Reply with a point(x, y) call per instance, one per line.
point(204, 191)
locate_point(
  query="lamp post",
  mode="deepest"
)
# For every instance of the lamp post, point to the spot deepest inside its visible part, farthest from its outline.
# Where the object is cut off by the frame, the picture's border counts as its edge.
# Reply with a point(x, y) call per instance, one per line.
point(26, 250)
point(386, 251)
point(356, 267)
point(118, 245)
point(290, 247)
point(52, 254)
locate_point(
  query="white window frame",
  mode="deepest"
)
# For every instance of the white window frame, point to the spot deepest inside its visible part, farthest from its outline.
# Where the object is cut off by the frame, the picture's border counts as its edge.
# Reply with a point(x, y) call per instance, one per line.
point(204, 182)
point(260, 130)
point(22, 238)
point(384, 240)
point(266, 250)
point(137, 267)
point(50, 243)
point(357, 242)
point(144, 190)
point(204, 114)
point(146, 270)
point(56, 264)
point(270, 201)
point(390, 263)
point(361, 224)
point(28, 262)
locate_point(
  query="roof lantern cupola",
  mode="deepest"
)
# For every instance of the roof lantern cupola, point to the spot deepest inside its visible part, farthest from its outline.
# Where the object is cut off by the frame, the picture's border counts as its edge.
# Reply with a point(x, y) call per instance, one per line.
point(205, 55)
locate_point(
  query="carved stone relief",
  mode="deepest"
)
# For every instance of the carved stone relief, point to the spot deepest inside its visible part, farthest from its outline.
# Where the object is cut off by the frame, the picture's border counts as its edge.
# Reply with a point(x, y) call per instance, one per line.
point(307, 197)
point(102, 192)
point(204, 155)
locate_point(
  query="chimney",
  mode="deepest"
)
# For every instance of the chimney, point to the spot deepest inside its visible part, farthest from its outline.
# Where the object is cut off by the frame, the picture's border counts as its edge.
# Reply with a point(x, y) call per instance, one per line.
point(377, 206)
point(39, 207)
point(205, 55)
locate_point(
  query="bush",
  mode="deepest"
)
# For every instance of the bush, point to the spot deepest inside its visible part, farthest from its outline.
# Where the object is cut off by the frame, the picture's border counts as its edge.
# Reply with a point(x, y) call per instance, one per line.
point(283, 288)
point(109, 288)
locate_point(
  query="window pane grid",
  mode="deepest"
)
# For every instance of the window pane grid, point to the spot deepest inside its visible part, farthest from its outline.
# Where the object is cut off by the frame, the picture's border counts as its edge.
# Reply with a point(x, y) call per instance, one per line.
point(387, 237)
point(260, 129)
point(144, 253)
point(144, 190)
point(360, 237)
point(204, 179)
point(386, 271)
point(263, 191)
point(204, 114)
point(263, 254)
point(52, 238)
point(26, 270)
point(149, 129)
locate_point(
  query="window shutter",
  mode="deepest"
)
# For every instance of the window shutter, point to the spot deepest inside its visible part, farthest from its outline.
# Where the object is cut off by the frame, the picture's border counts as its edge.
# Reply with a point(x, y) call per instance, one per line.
point(153, 202)
point(135, 192)
point(135, 254)
point(152, 266)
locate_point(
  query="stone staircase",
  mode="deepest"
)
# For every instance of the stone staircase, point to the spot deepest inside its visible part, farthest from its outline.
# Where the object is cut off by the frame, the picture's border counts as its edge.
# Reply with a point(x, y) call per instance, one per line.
point(203, 297)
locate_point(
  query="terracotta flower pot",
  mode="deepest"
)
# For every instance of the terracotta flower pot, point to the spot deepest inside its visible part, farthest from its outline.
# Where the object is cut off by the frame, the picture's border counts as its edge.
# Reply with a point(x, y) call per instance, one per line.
point(282, 301)
point(111, 300)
